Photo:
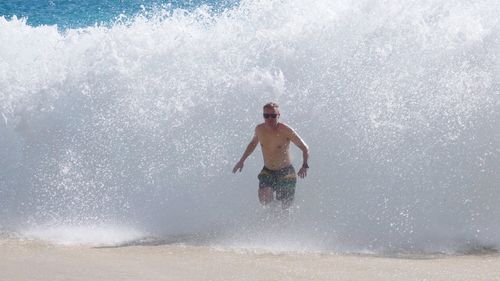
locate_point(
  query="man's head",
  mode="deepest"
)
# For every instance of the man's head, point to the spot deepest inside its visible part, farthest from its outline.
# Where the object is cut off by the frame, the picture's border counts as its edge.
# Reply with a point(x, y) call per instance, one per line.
point(271, 113)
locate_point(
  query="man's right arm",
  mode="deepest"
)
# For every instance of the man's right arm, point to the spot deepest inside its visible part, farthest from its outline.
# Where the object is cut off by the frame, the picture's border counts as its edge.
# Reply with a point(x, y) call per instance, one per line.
point(250, 148)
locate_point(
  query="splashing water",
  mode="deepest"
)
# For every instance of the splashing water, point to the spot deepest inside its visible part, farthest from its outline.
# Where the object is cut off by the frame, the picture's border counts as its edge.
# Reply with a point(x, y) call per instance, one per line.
point(139, 124)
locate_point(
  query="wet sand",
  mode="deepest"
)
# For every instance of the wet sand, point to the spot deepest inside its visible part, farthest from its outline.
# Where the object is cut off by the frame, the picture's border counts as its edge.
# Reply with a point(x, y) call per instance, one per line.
point(28, 260)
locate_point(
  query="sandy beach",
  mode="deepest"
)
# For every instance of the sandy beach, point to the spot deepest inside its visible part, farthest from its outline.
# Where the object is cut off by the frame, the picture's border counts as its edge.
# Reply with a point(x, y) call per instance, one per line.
point(28, 260)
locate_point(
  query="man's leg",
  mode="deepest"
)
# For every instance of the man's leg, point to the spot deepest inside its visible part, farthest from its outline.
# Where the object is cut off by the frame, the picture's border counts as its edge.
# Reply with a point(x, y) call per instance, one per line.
point(285, 191)
point(265, 186)
point(286, 203)
point(285, 195)
point(265, 195)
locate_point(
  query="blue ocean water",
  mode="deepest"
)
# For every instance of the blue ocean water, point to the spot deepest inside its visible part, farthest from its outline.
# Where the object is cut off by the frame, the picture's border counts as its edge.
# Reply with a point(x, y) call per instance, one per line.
point(74, 14)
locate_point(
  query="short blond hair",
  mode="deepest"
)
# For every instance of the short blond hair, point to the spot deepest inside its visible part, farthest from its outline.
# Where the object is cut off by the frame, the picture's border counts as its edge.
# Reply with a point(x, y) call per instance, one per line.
point(271, 105)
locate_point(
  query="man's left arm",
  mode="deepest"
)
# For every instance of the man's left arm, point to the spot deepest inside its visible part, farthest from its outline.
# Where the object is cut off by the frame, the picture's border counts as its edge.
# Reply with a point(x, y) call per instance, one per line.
point(297, 140)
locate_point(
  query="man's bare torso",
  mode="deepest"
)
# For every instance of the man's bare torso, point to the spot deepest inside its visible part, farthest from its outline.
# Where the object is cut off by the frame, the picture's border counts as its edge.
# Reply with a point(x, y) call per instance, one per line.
point(274, 143)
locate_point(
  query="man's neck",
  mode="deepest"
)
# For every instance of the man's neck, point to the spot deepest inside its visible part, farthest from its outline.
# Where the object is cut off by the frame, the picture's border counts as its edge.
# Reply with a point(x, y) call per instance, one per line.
point(272, 126)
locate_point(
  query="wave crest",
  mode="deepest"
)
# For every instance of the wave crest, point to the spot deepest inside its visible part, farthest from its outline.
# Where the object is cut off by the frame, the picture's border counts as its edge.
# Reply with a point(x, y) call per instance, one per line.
point(139, 123)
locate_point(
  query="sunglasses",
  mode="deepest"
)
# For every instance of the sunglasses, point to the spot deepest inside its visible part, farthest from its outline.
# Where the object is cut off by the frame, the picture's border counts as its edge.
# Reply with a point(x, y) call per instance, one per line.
point(272, 115)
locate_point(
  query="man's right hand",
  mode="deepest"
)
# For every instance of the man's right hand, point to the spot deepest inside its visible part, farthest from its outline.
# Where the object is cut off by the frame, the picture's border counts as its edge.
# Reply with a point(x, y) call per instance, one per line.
point(238, 166)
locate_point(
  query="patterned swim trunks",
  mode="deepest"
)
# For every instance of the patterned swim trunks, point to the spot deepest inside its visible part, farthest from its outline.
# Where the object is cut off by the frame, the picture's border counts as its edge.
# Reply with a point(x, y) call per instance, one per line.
point(281, 181)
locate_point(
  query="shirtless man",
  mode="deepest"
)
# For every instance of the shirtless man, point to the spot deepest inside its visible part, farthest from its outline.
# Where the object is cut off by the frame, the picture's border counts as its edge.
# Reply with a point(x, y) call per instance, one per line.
point(278, 175)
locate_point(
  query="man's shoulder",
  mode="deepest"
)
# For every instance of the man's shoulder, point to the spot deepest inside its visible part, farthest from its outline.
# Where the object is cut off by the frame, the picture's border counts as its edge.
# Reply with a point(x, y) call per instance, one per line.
point(259, 126)
point(284, 126)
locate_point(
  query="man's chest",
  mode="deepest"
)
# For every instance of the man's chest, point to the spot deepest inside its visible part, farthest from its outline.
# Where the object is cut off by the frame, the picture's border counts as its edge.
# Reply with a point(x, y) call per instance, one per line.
point(273, 139)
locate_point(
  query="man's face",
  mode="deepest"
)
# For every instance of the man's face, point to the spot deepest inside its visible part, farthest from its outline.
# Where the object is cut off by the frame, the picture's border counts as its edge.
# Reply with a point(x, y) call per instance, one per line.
point(272, 115)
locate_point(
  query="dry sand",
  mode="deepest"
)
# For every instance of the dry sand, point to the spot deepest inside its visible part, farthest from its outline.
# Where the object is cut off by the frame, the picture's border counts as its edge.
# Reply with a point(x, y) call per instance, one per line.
point(25, 260)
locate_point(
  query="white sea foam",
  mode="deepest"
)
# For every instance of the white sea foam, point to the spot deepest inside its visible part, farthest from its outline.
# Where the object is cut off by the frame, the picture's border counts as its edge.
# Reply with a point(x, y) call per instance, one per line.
point(93, 235)
point(140, 123)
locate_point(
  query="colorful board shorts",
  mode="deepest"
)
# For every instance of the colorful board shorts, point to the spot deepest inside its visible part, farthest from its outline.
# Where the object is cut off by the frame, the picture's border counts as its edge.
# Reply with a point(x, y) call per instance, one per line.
point(281, 181)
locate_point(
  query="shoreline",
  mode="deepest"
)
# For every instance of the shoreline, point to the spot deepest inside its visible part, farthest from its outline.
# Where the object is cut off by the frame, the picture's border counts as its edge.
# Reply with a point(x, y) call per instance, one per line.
point(32, 260)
